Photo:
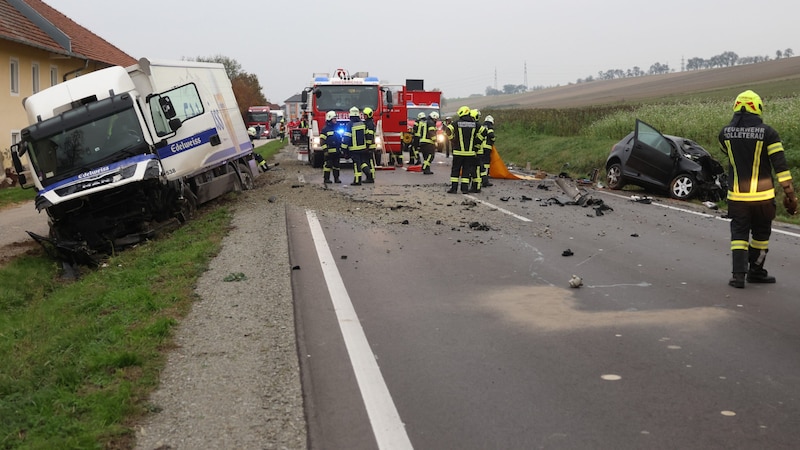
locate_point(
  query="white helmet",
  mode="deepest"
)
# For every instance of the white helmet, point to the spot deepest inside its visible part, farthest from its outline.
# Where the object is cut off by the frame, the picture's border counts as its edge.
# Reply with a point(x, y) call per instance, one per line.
point(251, 131)
point(421, 115)
point(434, 115)
point(330, 115)
point(490, 119)
point(354, 111)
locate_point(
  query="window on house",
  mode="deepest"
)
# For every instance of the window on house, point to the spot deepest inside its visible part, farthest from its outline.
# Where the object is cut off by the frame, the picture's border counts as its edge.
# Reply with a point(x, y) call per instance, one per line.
point(53, 76)
point(35, 77)
point(14, 76)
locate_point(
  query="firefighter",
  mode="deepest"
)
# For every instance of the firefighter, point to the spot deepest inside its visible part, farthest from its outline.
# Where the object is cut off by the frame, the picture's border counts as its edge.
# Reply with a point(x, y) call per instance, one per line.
point(446, 128)
point(372, 152)
point(355, 143)
point(428, 142)
point(330, 141)
point(754, 150)
point(464, 132)
point(487, 144)
point(414, 155)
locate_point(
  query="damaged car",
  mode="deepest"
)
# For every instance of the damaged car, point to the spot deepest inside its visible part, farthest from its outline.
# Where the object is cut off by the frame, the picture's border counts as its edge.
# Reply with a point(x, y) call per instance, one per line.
point(675, 165)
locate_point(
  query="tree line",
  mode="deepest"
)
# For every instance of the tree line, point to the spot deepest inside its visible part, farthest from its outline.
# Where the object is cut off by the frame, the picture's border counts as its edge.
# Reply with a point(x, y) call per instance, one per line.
point(725, 59)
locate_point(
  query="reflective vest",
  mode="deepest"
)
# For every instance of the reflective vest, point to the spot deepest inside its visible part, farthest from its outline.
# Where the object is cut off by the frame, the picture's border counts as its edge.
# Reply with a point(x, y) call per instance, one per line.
point(355, 137)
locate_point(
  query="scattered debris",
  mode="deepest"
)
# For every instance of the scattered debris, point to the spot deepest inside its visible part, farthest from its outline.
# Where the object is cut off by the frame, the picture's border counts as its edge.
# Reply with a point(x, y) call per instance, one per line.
point(480, 226)
point(567, 252)
point(641, 199)
point(575, 281)
point(543, 187)
point(238, 276)
point(343, 256)
point(711, 205)
point(635, 235)
point(525, 198)
point(405, 222)
point(603, 207)
point(505, 199)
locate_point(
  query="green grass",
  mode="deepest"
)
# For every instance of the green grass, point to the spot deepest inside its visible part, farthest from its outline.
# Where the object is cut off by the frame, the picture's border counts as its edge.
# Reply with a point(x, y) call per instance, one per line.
point(11, 196)
point(77, 359)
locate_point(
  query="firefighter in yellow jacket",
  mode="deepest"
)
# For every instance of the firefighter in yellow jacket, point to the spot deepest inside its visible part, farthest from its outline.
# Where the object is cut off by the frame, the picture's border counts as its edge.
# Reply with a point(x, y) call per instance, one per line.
point(754, 150)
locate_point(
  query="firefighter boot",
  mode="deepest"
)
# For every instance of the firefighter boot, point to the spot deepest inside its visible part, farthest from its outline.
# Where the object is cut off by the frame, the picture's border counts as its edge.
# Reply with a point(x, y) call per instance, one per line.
point(453, 188)
point(756, 273)
point(326, 177)
point(336, 176)
point(737, 280)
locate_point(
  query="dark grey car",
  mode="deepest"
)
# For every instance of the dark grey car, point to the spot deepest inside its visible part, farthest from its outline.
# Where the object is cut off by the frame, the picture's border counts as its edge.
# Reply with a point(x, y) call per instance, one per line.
point(676, 165)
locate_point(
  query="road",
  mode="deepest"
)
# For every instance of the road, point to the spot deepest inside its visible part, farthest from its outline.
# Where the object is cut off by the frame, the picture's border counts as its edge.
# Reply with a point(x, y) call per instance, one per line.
point(417, 328)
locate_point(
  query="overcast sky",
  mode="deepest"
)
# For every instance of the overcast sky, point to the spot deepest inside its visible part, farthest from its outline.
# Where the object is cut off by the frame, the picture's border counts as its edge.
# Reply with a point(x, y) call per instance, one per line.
point(459, 47)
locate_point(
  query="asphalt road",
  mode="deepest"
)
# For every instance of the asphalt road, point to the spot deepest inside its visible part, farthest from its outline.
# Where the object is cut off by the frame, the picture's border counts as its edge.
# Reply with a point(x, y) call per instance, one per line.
point(434, 334)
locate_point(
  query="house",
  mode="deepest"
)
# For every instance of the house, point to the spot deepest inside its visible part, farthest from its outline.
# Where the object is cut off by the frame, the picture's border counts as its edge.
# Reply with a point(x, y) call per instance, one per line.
point(40, 47)
point(292, 107)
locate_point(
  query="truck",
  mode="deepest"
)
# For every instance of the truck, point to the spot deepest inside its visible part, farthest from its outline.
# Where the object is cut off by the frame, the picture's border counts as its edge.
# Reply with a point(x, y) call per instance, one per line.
point(340, 92)
point(409, 100)
point(260, 118)
point(118, 154)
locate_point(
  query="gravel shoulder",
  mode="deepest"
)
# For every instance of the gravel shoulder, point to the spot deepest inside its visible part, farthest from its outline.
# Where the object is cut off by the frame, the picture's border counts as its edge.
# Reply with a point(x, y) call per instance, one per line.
point(233, 379)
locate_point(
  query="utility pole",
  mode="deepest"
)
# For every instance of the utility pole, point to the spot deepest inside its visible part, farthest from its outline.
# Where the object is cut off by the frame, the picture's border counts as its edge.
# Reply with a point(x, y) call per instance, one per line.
point(525, 79)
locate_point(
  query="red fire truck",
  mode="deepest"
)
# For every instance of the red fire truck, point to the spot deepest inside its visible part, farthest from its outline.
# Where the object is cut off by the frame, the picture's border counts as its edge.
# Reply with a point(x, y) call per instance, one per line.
point(258, 116)
point(410, 99)
point(339, 93)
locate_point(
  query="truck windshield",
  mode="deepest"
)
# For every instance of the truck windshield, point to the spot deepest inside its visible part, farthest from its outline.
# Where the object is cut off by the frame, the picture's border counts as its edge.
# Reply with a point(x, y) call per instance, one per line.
point(258, 117)
point(77, 147)
point(344, 97)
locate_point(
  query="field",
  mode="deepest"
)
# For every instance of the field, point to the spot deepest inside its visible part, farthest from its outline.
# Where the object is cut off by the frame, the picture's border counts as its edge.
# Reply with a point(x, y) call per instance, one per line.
point(670, 87)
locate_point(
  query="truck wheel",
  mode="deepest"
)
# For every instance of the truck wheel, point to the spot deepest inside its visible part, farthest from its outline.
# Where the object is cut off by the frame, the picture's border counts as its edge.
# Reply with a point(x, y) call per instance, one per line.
point(188, 206)
point(246, 177)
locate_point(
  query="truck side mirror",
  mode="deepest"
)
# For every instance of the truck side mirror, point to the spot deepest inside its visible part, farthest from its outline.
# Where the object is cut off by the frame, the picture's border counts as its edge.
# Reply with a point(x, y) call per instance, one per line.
point(304, 97)
point(174, 124)
point(16, 151)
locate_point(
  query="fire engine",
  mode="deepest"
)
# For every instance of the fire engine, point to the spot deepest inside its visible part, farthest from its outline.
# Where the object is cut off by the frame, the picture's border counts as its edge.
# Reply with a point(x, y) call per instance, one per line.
point(339, 93)
point(411, 99)
point(259, 116)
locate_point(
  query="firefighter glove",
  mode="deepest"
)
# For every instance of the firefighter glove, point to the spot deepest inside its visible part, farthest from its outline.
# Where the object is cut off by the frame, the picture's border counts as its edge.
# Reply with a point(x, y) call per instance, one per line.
point(790, 203)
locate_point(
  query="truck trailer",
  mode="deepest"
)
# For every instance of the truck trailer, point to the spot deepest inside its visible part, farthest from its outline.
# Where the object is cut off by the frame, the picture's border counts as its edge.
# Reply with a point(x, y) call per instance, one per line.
point(117, 154)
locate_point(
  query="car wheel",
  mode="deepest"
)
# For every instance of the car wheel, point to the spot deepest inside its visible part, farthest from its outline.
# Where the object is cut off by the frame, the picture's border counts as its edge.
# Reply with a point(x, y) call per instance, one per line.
point(683, 187)
point(614, 176)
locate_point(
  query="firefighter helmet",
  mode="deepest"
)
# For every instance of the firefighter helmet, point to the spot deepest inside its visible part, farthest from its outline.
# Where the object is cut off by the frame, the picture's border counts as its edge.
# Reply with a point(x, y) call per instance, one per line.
point(251, 131)
point(421, 115)
point(463, 111)
point(750, 101)
point(434, 115)
point(330, 115)
point(354, 111)
point(368, 112)
point(490, 119)
point(475, 114)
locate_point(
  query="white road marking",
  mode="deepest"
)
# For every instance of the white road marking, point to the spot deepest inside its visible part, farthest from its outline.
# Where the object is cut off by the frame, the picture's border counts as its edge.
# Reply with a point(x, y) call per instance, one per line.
point(504, 211)
point(388, 428)
point(701, 214)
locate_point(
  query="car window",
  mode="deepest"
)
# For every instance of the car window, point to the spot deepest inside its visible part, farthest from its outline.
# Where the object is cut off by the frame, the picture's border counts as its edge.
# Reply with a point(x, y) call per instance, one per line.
point(652, 137)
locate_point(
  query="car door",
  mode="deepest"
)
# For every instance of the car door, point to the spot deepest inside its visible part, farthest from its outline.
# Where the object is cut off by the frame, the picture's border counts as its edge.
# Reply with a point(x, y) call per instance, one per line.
point(651, 159)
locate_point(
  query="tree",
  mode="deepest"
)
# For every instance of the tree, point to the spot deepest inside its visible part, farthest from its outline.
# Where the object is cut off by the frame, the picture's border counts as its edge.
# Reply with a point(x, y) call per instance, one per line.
point(788, 53)
point(492, 91)
point(246, 87)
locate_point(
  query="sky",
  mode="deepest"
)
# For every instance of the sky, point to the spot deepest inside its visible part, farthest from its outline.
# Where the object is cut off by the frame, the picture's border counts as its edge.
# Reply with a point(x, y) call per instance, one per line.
point(458, 47)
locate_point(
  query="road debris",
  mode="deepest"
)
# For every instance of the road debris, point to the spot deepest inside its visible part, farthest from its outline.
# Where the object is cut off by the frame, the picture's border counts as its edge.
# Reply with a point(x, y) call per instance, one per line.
point(575, 281)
